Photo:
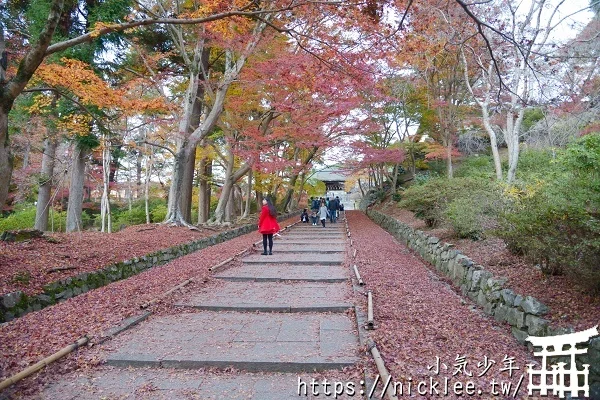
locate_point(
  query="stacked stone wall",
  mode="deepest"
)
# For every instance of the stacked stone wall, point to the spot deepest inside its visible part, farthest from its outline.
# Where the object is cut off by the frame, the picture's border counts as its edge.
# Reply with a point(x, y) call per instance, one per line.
point(16, 304)
point(525, 314)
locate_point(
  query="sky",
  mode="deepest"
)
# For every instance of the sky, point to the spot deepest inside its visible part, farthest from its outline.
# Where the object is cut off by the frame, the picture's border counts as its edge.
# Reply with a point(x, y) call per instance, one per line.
point(575, 22)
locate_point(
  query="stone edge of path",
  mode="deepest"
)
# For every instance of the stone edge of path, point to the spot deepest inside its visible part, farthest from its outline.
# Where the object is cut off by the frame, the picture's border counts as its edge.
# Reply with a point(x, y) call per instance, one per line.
point(275, 279)
point(104, 336)
point(247, 366)
point(522, 312)
point(274, 260)
point(123, 326)
point(360, 316)
point(16, 304)
point(337, 308)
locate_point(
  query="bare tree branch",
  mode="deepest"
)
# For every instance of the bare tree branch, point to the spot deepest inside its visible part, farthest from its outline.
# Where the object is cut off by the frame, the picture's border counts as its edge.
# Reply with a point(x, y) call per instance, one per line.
point(160, 146)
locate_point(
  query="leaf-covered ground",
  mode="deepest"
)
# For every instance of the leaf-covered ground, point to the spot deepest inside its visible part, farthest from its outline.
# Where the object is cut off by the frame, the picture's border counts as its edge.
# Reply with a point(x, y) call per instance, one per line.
point(421, 320)
point(569, 305)
point(34, 336)
point(27, 266)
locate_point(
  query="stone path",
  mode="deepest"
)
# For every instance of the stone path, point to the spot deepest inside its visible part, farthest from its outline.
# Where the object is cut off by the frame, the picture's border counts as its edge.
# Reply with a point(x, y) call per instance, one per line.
point(273, 297)
point(272, 318)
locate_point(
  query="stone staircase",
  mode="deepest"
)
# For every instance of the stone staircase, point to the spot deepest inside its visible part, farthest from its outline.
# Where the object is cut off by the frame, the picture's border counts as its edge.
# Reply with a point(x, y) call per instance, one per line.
point(271, 318)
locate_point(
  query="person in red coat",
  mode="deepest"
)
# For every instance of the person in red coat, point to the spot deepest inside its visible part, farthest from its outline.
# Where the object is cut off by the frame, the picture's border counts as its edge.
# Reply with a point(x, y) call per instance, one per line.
point(267, 225)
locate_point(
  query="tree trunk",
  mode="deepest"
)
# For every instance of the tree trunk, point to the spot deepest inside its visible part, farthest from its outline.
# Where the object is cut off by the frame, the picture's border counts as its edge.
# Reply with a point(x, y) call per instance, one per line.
point(6, 158)
point(138, 174)
point(413, 162)
point(513, 125)
point(129, 190)
point(26, 155)
point(220, 212)
point(240, 200)
point(196, 114)
point(259, 199)
point(248, 195)
point(395, 179)
point(187, 185)
point(300, 191)
point(232, 71)
point(230, 206)
point(484, 105)
point(114, 165)
point(74, 207)
point(230, 179)
point(290, 192)
point(174, 214)
point(45, 189)
point(449, 159)
point(147, 186)
point(362, 192)
point(493, 142)
point(105, 202)
point(204, 189)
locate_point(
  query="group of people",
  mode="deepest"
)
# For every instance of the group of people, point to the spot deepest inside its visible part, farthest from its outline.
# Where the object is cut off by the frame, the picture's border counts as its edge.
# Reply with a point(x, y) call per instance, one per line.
point(321, 209)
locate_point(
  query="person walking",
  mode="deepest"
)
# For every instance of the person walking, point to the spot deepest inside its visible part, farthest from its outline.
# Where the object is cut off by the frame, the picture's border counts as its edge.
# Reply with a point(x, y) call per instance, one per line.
point(332, 207)
point(314, 206)
point(314, 217)
point(323, 213)
point(304, 216)
point(267, 225)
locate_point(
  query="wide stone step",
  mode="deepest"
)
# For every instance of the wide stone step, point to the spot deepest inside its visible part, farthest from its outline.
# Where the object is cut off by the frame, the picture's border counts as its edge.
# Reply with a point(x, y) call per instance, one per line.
point(250, 342)
point(336, 227)
point(310, 248)
point(295, 259)
point(310, 236)
point(341, 242)
point(116, 383)
point(275, 273)
point(272, 297)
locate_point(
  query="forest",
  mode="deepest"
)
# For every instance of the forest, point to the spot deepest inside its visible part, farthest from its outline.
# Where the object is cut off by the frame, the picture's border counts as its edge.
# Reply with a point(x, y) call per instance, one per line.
point(483, 116)
point(139, 138)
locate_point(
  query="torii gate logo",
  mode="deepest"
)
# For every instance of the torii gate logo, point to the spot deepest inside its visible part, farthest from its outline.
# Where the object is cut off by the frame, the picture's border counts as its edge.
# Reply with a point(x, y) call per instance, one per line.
point(560, 346)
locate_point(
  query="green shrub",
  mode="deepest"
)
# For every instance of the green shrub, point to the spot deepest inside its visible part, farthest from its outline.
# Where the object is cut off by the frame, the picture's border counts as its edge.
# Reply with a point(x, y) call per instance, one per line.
point(158, 213)
point(476, 167)
point(425, 201)
point(422, 178)
point(556, 222)
point(123, 216)
point(560, 236)
point(429, 201)
point(474, 214)
point(535, 165)
point(87, 220)
point(25, 219)
point(135, 216)
point(381, 194)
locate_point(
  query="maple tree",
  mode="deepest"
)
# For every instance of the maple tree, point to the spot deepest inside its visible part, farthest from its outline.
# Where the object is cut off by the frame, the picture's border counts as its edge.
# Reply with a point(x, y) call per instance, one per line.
point(338, 34)
point(308, 105)
point(102, 107)
point(33, 52)
point(519, 71)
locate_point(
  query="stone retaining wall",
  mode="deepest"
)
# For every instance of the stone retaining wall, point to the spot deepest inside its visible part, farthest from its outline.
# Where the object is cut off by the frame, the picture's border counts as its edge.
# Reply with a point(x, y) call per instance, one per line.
point(523, 313)
point(16, 304)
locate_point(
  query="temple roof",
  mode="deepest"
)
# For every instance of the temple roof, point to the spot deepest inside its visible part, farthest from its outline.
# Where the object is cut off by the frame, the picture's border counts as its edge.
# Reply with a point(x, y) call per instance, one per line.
point(331, 174)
